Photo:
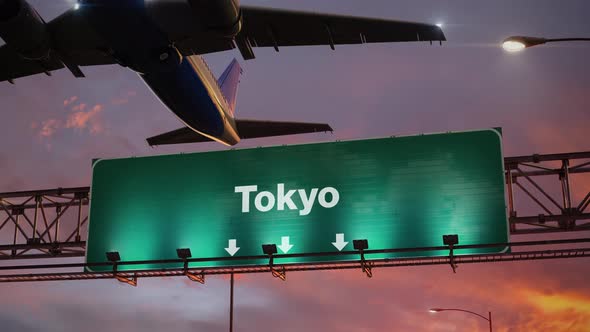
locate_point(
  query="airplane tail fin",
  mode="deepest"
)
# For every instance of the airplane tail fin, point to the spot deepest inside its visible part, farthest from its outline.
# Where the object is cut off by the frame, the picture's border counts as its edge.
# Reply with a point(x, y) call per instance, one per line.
point(228, 82)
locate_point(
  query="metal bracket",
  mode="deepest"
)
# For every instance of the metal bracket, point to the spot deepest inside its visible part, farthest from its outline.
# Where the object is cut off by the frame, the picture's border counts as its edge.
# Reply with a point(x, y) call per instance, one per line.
point(454, 266)
point(367, 267)
point(200, 278)
point(270, 250)
point(114, 258)
point(282, 274)
point(55, 250)
point(128, 281)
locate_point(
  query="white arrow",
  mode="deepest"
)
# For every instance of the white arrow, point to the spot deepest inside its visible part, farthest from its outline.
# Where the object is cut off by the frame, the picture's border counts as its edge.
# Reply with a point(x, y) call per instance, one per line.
point(285, 246)
point(339, 244)
point(231, 247)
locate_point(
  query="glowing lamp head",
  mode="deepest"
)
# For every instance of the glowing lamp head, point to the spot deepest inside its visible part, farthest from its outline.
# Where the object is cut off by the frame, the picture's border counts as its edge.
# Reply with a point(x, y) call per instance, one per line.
point(77, 6)
point(519, 43)
point(440, 25)
point(513, 46)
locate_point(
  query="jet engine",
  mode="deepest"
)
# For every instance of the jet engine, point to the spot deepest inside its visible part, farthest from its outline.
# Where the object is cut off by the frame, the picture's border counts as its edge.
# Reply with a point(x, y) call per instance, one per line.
point(23, 29)
point(222, 16)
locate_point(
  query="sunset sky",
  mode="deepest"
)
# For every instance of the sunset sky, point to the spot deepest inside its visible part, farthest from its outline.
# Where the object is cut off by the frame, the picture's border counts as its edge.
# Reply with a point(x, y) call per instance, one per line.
point(52, 127)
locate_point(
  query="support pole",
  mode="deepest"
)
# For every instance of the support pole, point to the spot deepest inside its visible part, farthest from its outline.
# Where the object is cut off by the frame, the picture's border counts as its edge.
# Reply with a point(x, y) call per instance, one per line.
point(231, 302)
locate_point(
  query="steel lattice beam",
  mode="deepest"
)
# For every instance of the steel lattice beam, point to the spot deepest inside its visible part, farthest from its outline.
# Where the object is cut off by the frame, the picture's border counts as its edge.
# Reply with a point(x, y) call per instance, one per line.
point(452, 260)
point(556, 213)
point(43, 223)
point(488, 258)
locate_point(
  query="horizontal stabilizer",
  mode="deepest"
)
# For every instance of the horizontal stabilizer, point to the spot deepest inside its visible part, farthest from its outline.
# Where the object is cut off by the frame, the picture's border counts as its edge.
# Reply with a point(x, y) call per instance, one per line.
point(256, 129)
point(246, 129)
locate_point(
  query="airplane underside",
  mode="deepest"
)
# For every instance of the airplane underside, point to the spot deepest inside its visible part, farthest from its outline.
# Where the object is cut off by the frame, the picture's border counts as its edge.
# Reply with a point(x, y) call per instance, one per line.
point(162, 41)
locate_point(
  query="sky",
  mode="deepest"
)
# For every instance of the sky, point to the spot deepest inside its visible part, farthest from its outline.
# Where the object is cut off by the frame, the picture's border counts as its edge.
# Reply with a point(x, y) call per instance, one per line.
point(52, 127)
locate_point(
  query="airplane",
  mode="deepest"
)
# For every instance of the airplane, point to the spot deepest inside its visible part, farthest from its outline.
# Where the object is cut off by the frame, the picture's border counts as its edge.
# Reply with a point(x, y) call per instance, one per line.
point(163, 40)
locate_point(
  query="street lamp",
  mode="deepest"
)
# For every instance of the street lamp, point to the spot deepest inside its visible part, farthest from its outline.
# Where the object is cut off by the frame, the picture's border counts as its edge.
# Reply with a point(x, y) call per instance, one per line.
point(519, 43)
point(489, 318)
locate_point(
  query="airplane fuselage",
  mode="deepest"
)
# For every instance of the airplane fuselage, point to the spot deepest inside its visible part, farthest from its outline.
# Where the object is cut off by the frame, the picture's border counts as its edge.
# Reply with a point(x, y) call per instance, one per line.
point(184, 84)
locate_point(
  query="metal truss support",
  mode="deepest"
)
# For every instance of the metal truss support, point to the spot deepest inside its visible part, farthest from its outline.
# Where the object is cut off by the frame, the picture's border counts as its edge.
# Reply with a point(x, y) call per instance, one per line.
point(43, 223)
point(546, 181)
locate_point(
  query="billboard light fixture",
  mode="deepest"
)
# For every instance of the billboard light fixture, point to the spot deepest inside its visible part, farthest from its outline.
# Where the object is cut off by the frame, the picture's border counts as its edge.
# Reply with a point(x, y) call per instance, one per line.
point(361, 245)
point(269, 249)
point(184, 253)
point(451, 240)
point(113, 256)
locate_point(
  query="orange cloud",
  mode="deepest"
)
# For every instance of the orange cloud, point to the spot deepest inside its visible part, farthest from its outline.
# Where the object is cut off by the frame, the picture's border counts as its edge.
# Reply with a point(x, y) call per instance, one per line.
point(70, 100)
point(398, 298)
point(80, 120)
point(79, 107)
point(552, 303)
point(91, 120)
point(49, 128)
point(553, 312)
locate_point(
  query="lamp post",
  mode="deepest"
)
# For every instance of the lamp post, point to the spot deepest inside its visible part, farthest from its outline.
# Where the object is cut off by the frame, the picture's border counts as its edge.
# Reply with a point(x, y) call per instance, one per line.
point(519, 43)
point(489, 318)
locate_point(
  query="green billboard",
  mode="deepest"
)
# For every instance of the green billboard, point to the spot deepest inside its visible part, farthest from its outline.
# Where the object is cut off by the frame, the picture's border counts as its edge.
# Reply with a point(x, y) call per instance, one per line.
point(397, 192)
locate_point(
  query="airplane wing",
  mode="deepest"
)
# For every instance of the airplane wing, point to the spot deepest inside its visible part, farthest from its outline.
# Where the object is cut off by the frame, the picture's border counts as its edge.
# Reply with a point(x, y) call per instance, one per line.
point(267, 27)
point(14, 66)
point(78, 45)
point(272, 27)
